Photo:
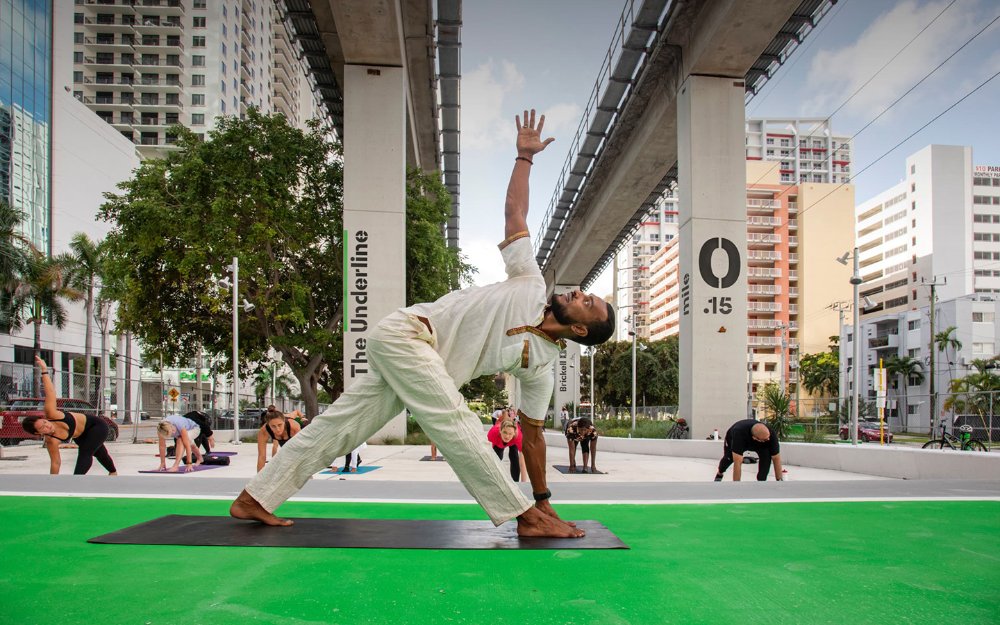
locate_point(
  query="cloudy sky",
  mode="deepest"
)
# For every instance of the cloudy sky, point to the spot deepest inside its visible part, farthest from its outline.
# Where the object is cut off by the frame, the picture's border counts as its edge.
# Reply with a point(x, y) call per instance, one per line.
point(546, 54)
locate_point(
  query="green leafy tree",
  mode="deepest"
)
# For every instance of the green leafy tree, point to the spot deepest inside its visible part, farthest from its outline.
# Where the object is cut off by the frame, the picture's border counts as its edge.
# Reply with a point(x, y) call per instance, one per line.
point(485, 389)
point(976, 393)
point(657, 372)
point(820, 373)
point(271, 195)
point(84, 272)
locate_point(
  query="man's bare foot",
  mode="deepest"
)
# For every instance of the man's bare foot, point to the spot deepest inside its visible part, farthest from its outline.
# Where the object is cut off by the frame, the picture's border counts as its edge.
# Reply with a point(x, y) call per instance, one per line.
point(535, 523)
point(246, 507)
point(546, 508)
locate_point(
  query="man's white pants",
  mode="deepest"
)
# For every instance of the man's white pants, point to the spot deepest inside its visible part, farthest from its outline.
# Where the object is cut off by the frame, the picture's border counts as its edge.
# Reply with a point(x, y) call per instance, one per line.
point(406, 371)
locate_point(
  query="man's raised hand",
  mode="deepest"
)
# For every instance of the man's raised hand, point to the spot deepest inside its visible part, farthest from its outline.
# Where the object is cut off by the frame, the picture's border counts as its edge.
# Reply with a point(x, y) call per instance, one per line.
point(529, 138)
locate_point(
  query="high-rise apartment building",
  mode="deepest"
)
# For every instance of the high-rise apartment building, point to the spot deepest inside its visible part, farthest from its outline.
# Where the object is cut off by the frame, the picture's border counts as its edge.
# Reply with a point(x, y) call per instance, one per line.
point(940, 224)
point(794, 235)
point(806, 149)
point(145, 65)
point(632, 266)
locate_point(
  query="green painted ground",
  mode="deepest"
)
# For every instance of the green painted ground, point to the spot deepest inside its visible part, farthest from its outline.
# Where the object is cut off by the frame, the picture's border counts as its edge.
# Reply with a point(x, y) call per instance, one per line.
point(801, 563)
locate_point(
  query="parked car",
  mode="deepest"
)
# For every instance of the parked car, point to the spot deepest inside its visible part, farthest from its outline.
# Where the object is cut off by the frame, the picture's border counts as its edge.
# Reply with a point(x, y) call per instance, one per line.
point(868, 431)
point(11, 432)
point(250, 419)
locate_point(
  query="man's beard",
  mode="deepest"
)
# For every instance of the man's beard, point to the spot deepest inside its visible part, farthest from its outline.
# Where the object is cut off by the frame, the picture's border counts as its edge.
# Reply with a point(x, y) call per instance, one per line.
point(558, 309)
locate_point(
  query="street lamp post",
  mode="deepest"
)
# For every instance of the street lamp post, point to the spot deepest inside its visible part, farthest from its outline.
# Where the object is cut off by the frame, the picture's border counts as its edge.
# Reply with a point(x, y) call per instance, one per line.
point(593, 350)
point(632, 334)
point(856, 344)
point(234, 269)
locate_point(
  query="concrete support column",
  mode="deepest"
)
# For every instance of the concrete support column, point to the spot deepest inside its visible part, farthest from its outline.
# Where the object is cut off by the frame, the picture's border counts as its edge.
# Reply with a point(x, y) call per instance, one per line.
point(374, 211)
point(712, 190)
point(567, 370)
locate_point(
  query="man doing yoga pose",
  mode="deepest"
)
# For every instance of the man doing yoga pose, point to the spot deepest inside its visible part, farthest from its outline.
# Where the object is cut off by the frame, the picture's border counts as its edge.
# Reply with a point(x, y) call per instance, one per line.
point(422, 354)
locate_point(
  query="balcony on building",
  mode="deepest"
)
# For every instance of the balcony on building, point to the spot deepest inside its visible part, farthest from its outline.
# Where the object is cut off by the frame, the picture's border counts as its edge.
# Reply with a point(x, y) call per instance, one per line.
point(108, 42)
point(108, 81)
point(159, 44)
point(767, 223)
point(111, 23)
point(108, 7)
point(160, 83)
point(763, 290)
point(756, 205)
point(110, 101)
point(758, 240)
point(156, 25)
point(108, 62)
point(155, 103)
point(169, 8)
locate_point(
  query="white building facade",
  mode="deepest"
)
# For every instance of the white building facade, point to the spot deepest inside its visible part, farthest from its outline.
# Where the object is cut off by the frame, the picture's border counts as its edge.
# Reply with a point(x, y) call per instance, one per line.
point(976, 323)
point(807, 149)
point(940, 224)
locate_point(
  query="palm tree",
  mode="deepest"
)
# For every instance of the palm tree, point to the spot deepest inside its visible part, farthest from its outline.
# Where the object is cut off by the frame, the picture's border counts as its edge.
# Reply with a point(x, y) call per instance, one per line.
point(14, 250)
point(263, 383)
point(910, 370)
point(778, 403)
point(38, 296)
point(85, 270)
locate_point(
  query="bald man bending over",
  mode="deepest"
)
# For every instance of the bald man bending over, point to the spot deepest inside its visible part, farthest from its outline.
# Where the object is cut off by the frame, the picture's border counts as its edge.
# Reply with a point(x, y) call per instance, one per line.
point(750, 435)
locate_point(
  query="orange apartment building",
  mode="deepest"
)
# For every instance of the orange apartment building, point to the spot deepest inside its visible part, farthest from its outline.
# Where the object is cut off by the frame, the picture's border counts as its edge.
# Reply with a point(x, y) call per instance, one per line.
point(794, 235)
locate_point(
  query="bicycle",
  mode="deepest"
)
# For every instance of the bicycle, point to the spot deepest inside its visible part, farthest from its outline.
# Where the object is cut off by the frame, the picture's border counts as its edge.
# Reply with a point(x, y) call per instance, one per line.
point(950, 441)
point(679, 429)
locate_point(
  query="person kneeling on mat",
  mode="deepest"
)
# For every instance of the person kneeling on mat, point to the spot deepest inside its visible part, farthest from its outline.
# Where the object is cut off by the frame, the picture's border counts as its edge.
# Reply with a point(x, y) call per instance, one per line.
point(421, 355)
point(507, 435)
point(184, 432)
point(88, 431)
point(750, 435)
point(279, 428)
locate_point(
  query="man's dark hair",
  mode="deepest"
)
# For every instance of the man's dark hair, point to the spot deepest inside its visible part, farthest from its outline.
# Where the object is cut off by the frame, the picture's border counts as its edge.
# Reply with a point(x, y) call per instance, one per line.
point(599, 331)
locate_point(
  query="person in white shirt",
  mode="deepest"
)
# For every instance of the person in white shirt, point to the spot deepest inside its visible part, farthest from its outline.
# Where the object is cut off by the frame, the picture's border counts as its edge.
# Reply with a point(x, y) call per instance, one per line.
point(422, 354)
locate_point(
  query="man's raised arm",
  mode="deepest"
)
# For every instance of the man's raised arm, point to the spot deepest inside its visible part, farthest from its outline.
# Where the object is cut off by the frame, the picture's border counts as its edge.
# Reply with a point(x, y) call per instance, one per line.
point(529, 143)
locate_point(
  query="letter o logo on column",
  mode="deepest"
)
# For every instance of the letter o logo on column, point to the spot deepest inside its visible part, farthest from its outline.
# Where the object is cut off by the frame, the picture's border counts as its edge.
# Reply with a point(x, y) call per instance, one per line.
point(705, 262)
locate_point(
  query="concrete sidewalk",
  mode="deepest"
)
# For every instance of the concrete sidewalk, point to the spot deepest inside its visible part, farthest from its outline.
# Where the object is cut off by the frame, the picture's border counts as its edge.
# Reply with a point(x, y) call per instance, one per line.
point(402, 463)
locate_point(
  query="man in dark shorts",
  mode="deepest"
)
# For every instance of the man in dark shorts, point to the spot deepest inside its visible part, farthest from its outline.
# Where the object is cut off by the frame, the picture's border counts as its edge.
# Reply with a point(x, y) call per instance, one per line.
point(750, 435)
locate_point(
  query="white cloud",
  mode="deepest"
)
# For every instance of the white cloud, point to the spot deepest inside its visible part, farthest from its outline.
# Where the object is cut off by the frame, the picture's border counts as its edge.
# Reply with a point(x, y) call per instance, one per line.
point(836, 73)
point(486, 122)
point(484, 255)
point(562, 120)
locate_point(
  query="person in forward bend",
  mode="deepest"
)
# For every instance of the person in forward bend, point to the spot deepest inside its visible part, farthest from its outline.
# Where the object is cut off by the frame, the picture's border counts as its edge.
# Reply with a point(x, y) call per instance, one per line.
point(278, 428)
point(582, 431)
point(750, 435)
point(421, 355)
point(185, 432)
point(88, 431)
point(506, 434)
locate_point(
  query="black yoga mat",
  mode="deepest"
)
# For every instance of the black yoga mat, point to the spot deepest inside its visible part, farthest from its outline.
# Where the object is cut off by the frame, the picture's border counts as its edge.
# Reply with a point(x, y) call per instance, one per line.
point(562, 468)
point(429, 459)
point(223, 531)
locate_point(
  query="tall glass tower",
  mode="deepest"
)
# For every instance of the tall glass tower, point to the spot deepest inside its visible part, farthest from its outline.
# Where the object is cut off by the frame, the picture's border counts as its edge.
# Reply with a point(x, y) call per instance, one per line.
point(25, 113)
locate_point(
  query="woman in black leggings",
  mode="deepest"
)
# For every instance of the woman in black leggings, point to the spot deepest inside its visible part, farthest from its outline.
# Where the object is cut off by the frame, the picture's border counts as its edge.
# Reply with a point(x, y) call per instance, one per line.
point(87, 431)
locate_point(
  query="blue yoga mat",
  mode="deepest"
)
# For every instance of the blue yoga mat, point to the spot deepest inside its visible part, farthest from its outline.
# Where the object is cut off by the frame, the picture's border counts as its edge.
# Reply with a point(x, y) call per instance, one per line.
point(180, 471)
point(362, 469)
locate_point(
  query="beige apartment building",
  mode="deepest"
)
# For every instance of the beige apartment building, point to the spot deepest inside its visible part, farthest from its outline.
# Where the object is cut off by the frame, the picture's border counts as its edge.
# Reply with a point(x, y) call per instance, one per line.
point(794, 235)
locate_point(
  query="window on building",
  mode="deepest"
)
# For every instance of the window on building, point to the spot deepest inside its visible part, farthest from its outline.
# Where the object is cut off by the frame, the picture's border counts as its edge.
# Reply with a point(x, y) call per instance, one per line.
point(222, 106)
point(198, 99)
point(77, 76)
point(198, 22)
point(913, 169)
point(197, 80)
point(197, 60)
point(198, 41)
point(913, 324)
point(200, 4)
point(78, 18)
point(982, 349)
point(77, 37)
point(982, 317)
point(197, 119)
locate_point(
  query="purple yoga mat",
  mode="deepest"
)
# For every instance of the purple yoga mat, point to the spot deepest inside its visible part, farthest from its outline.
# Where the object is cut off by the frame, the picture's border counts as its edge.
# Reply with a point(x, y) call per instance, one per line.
point(221, 453)
point(180, 471)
